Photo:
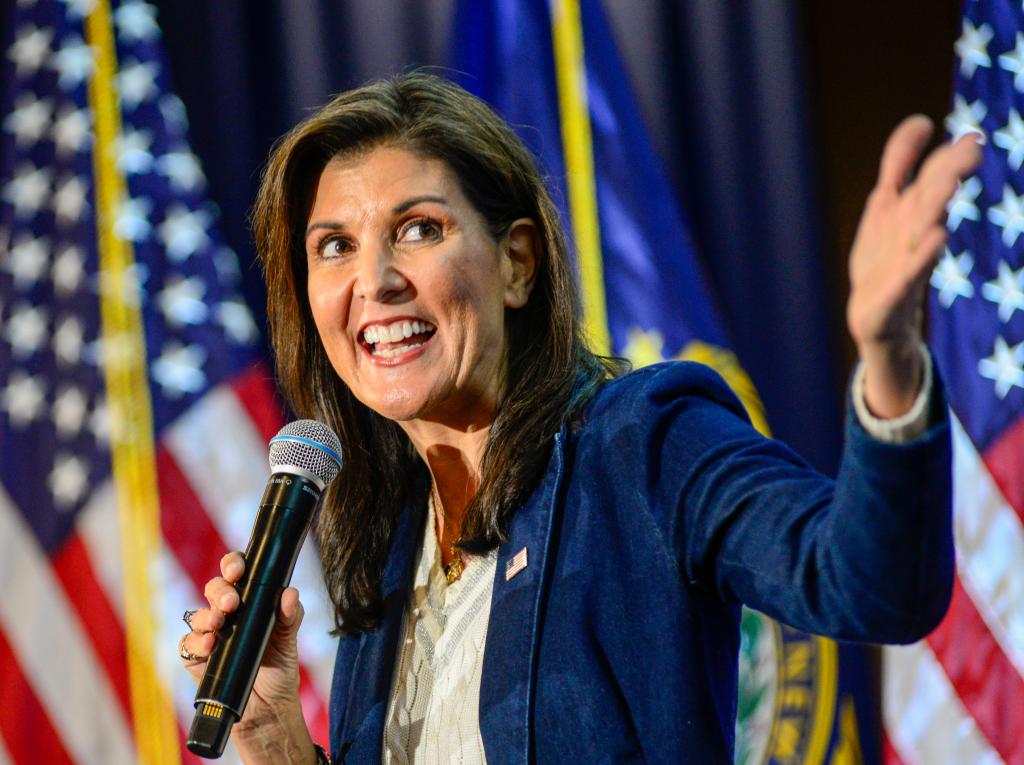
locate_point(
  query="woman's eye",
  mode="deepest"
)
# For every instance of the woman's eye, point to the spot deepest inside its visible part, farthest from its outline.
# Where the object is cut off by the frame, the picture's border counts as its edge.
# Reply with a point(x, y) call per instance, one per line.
point(334, 247)
point(420, 230)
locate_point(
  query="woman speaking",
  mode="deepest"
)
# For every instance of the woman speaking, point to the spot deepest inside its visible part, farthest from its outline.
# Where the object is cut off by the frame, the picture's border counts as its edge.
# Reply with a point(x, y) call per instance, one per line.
point(533, 555)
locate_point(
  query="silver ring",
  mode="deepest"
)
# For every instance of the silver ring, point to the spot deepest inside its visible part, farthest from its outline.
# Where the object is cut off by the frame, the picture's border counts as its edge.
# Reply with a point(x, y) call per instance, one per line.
point(187, 617)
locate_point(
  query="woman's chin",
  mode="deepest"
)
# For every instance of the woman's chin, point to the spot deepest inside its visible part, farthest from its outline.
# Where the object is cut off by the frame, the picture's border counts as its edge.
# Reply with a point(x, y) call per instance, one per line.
point(398, 404)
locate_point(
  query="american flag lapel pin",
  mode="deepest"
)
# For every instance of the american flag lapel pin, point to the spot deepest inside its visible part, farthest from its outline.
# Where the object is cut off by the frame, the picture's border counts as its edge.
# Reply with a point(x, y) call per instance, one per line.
point(515, 564)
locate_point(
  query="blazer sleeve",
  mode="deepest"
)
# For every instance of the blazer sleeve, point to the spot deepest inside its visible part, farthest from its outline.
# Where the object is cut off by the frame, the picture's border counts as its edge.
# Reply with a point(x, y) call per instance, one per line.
point(868, 556)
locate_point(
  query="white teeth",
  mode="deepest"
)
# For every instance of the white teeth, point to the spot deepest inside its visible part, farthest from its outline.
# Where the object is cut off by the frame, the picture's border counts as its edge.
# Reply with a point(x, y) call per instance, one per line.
point(392, 333)
point(397, 350)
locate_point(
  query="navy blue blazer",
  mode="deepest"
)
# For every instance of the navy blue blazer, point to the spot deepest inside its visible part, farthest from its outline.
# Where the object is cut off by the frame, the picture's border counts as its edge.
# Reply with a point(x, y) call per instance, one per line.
point(660, 512)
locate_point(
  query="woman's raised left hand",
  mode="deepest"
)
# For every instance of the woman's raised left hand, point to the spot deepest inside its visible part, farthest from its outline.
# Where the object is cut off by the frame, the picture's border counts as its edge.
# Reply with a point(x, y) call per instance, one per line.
point(899, 239)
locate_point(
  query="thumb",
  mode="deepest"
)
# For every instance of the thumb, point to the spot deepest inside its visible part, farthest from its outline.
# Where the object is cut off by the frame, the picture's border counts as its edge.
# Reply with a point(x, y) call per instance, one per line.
point(290, 612)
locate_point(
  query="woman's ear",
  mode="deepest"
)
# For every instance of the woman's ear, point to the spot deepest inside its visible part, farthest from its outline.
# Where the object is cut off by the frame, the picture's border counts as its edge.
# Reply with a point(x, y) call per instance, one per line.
point(520, 249)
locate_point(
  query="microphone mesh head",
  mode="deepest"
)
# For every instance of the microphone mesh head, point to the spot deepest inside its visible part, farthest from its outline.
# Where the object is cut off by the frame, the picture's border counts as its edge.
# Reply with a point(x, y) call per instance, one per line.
point(309, 445)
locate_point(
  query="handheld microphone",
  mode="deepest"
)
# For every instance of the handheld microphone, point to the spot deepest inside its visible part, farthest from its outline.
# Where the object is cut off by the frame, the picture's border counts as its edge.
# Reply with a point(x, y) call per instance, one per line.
point(305, 456)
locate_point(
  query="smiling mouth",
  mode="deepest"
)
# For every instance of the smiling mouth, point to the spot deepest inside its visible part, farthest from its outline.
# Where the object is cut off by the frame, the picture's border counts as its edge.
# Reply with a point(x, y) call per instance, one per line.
point(389, 341)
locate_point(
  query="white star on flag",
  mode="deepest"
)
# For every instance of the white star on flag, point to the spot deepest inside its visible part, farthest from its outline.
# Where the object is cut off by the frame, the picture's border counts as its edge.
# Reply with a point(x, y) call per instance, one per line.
point(179, 369)
point(132, 148)
point(27, 260)
point(226, 262)
point(1009, 215)
point(68, 480)
point(1004, 367)
point(99, 423)
point(68, 269)
point(132, 220)
point(965, 117)
point(237, 322)
point(1007, 289)
point(28, 189)
point(71, 131)
point(1013, 62)
point(950, 277)
point(136, 83)
point(182, 170)
point(29, 119)
point(182, 301)
point(136, 22)
point(184, 231)
point(972, 47)
point(69, 410)
point(1011, 138)
point(963, 204)
point(23, 398)
point(30, 49)
point(74, 63)
point(69, 201)
point(67, 341)
point(26, 329)
point(172, 109)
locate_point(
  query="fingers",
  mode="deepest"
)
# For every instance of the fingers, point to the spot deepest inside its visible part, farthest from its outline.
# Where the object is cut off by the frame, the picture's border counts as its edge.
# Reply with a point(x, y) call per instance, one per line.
point(208, 620)
point(941, 172)
point(928, 247)
point(220, 593)
point(195, 647)
point(232, 566)
point(902, 151)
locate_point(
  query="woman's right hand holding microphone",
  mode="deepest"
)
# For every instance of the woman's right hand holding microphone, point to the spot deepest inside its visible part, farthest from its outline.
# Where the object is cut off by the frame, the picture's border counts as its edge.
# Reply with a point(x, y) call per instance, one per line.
point(272, 729)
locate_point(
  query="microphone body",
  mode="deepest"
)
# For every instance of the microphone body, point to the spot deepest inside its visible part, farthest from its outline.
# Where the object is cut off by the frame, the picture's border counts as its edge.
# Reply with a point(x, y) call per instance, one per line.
point(282, 521)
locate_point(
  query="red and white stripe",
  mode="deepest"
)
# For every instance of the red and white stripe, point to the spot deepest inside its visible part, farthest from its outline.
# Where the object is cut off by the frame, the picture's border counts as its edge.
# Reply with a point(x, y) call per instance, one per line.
point(64, 691)
point(52, 663)
point(958, 696)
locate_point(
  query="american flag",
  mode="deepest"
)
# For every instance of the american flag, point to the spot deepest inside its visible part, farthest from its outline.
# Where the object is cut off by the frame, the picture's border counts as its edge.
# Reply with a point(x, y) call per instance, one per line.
point(958, 696)
point(134, 410)
point(515, 564)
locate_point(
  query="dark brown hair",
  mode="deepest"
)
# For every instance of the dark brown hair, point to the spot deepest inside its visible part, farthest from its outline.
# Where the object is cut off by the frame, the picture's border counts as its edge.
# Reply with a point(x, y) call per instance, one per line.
point(550, 372)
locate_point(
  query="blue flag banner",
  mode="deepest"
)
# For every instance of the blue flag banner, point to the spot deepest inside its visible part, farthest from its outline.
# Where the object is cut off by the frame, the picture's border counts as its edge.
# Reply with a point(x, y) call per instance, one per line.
point(553, 71)
point(652, 283)
point(959, 695)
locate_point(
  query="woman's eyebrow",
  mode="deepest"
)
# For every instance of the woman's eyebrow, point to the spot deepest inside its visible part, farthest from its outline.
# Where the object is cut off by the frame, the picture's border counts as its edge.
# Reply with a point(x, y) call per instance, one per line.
point(411, 202)
point(329, 224)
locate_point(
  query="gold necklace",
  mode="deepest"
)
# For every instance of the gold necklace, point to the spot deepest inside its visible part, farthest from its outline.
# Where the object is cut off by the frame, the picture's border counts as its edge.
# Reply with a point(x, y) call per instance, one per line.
point(452, 571)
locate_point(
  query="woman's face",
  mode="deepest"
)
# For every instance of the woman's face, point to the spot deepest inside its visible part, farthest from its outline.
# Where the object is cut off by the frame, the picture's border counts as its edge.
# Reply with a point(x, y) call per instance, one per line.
point(408, 288)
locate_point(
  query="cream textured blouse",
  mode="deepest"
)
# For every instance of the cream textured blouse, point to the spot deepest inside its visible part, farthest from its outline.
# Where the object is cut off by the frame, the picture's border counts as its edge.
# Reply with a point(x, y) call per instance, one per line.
point(433, 714)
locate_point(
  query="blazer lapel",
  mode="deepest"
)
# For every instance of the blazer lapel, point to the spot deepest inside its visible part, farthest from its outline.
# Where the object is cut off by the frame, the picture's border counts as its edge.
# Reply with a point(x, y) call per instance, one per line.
point(510, 652)
point(363, 727)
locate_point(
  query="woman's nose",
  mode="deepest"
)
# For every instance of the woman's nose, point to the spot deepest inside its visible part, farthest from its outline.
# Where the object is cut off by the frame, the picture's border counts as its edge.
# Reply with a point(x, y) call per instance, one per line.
point(377, 278)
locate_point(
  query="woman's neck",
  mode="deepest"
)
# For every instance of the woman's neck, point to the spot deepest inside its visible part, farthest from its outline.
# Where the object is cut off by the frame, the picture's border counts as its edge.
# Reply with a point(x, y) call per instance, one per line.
point(454, 457)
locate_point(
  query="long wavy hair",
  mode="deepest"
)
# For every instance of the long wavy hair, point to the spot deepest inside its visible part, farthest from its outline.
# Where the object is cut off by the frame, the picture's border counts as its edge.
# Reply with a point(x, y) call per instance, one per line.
point(550, 371)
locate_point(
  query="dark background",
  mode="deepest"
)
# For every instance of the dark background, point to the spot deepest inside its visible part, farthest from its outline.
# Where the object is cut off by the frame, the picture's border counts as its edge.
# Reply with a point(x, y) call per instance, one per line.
point(770, 117)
